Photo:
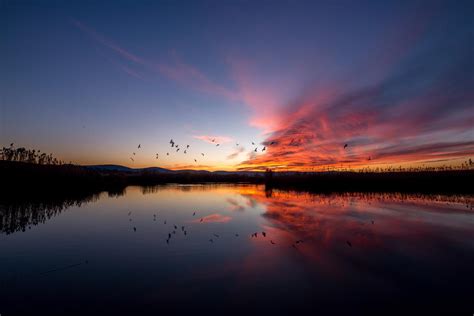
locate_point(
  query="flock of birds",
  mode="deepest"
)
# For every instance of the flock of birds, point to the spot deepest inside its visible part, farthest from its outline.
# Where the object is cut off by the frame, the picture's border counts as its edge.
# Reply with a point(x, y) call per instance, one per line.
point(176, 147)
point(182, 229)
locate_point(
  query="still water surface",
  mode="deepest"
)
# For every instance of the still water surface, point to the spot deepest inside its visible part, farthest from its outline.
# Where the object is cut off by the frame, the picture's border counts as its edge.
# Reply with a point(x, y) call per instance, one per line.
point(339, 253)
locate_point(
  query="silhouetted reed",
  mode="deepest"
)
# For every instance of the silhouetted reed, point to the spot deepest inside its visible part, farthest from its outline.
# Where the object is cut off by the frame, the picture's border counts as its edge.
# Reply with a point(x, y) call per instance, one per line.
point(22, 154)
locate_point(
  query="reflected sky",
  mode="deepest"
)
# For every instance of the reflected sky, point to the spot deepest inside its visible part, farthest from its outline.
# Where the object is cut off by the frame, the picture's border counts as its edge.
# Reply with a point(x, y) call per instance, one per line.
point(179, 248)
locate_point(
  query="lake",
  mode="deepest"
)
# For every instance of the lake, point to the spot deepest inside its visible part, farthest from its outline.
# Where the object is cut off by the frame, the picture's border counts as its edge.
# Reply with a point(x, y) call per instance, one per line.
point(230, 248)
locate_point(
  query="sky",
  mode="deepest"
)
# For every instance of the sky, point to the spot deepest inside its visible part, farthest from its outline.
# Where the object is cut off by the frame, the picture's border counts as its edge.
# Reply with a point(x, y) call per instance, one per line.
point(90, 81)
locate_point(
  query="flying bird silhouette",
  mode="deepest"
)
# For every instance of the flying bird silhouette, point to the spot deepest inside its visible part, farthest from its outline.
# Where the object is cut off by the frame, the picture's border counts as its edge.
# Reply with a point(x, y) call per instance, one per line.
point(264, 148)
point(345, 146)
point(139, 146)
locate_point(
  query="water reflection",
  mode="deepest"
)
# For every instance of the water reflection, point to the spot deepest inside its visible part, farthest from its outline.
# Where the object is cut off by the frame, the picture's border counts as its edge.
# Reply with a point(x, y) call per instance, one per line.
point(18, 215)
point(221, 247)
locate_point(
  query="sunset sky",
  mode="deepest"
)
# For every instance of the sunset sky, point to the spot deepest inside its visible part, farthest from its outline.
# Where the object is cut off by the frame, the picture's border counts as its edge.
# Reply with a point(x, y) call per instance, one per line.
point(89, 82)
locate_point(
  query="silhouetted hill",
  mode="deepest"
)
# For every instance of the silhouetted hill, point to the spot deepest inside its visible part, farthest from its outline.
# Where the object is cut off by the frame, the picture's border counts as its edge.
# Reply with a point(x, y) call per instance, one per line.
point(119, 168)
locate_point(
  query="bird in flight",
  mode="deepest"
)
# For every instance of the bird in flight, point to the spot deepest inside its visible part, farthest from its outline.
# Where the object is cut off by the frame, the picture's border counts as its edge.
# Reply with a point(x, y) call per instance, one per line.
point(272, 143)
point(195, 160)
point(177, 150)
point(157, 156)
point(253, 143)
point(187, 146)
point(139, 146)
point(255, 149)
point(213, 140)
point(217, 145)
point(345, 146)
point(264, 148)
point(133, 154)
point(131, 159)
point(202, 154)
point(237, 144)
point(185, 151)
point(167, 154)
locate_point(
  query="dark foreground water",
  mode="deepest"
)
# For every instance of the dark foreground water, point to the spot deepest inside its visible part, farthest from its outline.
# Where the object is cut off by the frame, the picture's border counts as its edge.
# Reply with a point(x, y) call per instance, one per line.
point(322, 254)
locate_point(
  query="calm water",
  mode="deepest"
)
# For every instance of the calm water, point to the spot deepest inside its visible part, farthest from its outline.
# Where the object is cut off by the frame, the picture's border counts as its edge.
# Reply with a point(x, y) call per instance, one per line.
point(381, 253)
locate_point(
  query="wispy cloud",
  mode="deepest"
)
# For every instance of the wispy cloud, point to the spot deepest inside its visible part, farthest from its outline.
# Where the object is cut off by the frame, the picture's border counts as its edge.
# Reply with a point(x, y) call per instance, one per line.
point(213, 139)
point(108, 43)
point(236, 153)
point(177, 70)
point(213, 218)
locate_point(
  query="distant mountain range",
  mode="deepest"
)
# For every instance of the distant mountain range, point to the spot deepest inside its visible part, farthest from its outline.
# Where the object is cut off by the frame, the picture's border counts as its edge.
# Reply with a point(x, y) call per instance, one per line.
point(126, 169)
point(119, 168)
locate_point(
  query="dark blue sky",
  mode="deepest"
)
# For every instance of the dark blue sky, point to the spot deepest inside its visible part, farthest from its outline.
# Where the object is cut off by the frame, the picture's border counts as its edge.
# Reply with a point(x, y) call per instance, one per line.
point(89, 81)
